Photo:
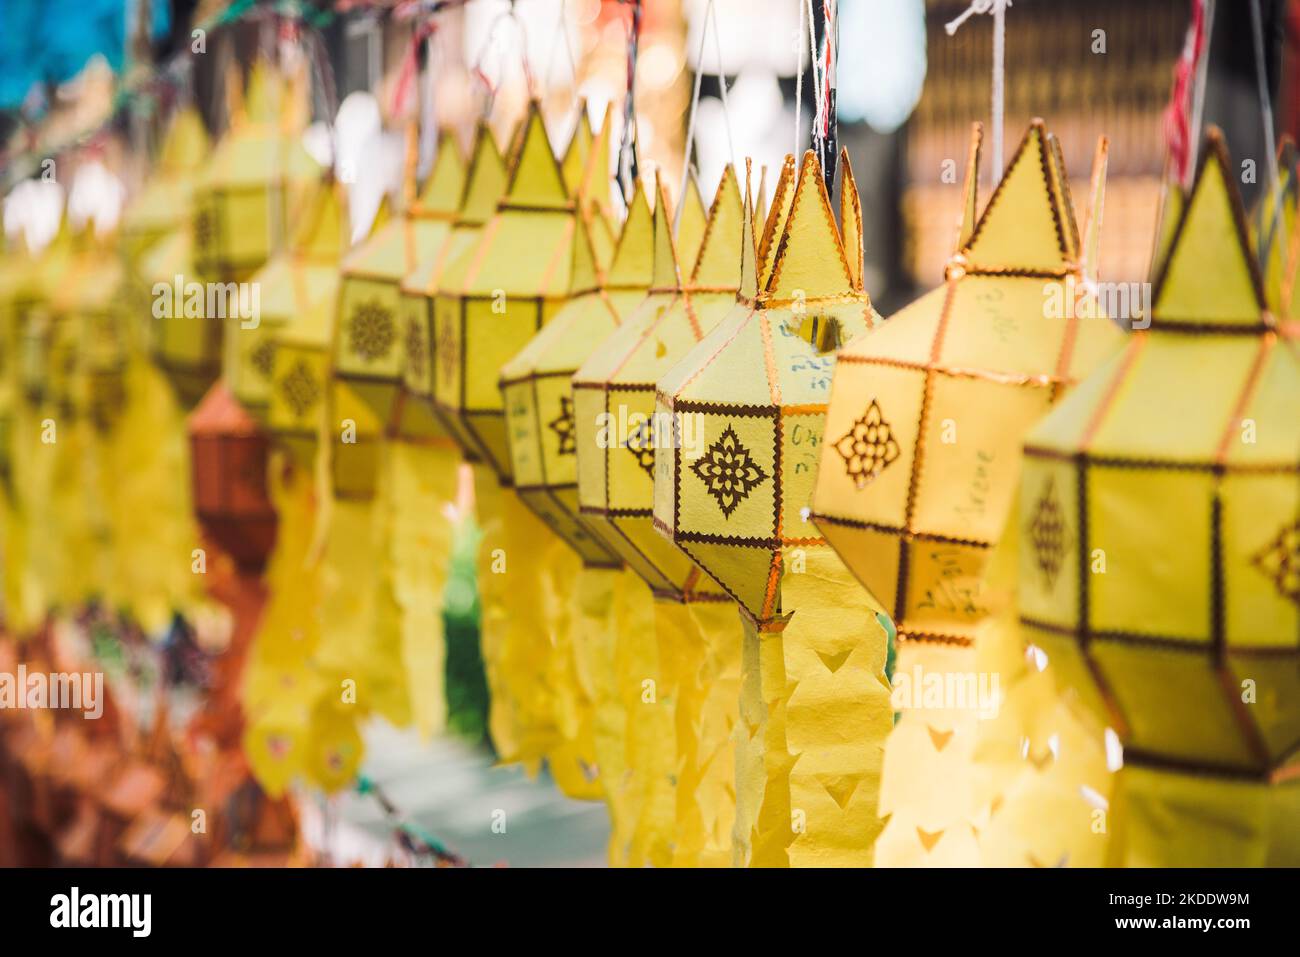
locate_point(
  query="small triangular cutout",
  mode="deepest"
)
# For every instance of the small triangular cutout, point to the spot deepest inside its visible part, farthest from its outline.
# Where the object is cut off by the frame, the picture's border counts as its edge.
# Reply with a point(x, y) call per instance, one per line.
point(840, 787)
point(940, 739)
point(1025, 224)
point(928, 839)
point(536, 180)
point(446, 182)
point(634, 258)
point(1210, 275)
point(834, 662)
point(717, 265)
point(486, 180)
point(810, 257)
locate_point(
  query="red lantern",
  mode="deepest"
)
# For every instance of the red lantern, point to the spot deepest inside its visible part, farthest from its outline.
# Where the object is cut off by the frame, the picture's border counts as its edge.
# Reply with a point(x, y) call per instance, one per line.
point(228, 461)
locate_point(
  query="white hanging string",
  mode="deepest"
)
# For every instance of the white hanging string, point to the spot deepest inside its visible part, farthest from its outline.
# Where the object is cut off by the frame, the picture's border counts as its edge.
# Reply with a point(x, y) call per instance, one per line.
point(999, 10)
point(709, 18)
point(798, 82)
point(1270, 146)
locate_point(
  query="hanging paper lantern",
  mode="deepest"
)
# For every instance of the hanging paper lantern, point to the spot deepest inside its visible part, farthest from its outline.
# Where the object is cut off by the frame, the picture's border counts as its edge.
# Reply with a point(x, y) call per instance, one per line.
point(463, 199)
point(495, 296)
point(229, 451)
point(164, 204)
point(1158, 551)
point(256, 179)
point(751, 399)
point(287, 287)
point(921, 455)
point(185, 342)
point(535, 386)
point(378, 339)
point(921, 459)
point(695, 626)
point(613, 393)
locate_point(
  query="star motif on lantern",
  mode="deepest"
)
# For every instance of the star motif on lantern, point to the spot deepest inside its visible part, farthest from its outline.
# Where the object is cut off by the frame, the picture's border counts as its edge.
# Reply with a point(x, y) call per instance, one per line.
point(868, 447)
point(262, 357)
point(300, 389)
point(1280, 561)
point(1048, 535)
point(370, 332)
point(728, 471)
point(641, 444)
point(415, 351)
point(563, 426)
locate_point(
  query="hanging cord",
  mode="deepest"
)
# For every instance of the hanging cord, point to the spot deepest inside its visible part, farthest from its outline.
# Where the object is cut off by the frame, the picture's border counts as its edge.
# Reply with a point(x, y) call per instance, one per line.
point(563, 29)
point(806, 18)
point(477, 69)
point(1270, 146)
point(999, 10)
point(708, 19)
point(628, 165)
point(828, 131)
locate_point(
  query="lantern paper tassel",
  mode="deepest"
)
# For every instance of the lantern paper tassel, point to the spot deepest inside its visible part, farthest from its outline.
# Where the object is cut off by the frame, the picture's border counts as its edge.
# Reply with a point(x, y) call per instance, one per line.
point(280, 685)
point(514, 635)
point(1157, 564)
point(737, 506)
point(615, 386)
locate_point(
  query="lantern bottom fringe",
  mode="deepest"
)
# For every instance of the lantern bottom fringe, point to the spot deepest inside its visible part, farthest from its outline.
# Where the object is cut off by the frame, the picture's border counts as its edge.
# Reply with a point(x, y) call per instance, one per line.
point(814, 715)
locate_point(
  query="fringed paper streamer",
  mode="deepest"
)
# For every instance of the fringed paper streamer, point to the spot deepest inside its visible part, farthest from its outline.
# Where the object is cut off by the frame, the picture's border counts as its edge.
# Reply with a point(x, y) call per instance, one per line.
point(814, 717)
point(573, 762)
point(705, 722)
point(515, 638)
point(424, 482)
point(281, 685)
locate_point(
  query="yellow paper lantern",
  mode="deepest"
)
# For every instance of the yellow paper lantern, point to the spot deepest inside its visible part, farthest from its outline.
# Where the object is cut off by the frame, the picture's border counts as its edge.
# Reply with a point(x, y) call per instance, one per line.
point(1158, 551)
point(495, 295)
point(286, 287)
point(462, 199)
point(695, 625)
point(922, 454)
point(246, 199)
point(751, 399)
point(164, 204)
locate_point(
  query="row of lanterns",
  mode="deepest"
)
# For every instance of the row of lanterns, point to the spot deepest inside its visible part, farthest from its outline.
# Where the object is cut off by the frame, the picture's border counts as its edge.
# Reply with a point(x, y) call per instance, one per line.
point(698, 412)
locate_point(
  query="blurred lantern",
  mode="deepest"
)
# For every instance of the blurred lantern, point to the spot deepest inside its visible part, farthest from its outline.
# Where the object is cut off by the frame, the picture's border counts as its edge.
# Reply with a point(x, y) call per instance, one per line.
point(695, 621)
point(256, 179)
point(229, 452)
point(164, 203)
point(185, 341)
point(922, 457)
point(495, 296)
point(1158, 564)
point(464, 198)
point(285, 288)
point(535, 386)
point(374, 364)
point(747, 408)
